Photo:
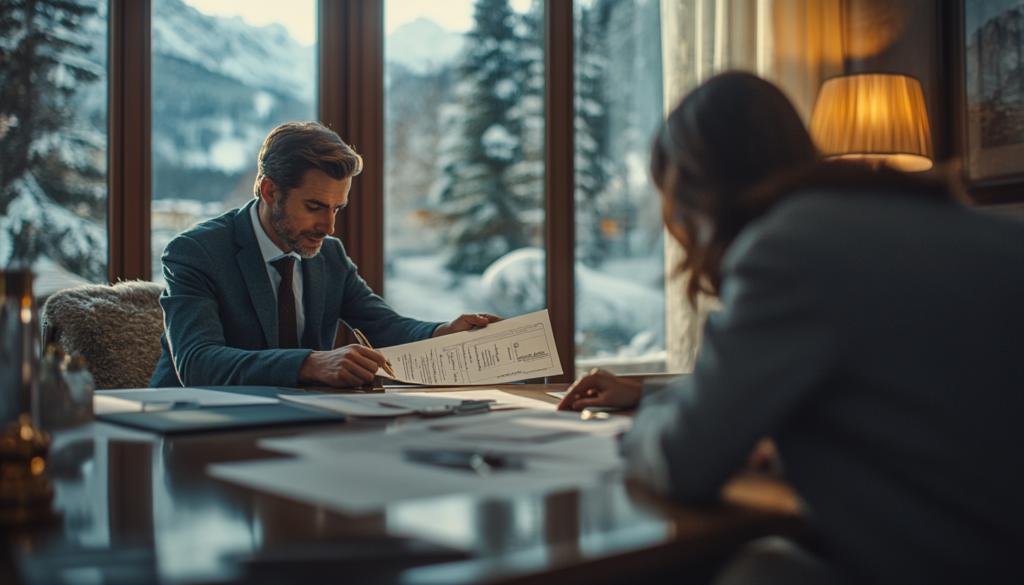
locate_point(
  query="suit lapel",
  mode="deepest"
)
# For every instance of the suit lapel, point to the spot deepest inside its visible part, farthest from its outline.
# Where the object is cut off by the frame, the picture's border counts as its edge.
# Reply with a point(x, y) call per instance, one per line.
point(313, 300)
point(254, 270)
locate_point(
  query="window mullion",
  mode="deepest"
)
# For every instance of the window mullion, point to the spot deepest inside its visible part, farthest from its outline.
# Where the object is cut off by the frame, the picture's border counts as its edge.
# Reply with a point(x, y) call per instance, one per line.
point(351, 98)
point(559, 180)
point(129, 169)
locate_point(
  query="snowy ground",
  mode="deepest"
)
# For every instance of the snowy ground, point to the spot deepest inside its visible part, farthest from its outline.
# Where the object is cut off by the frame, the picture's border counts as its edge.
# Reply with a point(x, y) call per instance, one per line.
point(421, 287)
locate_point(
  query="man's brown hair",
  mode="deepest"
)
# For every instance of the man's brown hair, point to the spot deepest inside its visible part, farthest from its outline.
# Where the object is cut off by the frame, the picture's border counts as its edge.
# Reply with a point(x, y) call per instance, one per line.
point(293, 148)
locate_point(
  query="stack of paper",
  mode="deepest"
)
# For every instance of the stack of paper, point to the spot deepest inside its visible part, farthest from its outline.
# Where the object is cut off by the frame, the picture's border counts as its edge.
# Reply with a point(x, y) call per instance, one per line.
point(411, 402)
point(151, 399)
point(357, 473)
point(502, 400)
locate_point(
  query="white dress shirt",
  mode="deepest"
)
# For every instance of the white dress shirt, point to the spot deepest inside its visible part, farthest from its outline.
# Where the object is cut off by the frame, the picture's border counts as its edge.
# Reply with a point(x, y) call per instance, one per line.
point(272, 253)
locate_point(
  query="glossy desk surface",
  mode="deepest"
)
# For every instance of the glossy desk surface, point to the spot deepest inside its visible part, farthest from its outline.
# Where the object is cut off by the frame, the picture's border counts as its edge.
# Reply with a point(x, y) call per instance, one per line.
point(136, 507)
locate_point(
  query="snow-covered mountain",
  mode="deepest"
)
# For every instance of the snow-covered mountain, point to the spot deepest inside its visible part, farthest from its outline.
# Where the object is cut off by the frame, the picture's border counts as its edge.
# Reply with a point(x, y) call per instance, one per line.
point(219, 86)
point(422, 46)
point(264, 58)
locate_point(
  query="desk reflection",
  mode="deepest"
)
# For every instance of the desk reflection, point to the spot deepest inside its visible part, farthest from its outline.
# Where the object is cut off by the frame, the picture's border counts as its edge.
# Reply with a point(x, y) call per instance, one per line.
point(139, 508)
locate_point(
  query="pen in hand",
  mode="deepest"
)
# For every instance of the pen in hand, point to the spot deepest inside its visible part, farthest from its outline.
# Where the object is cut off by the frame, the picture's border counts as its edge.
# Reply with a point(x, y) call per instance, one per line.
point(366, 343)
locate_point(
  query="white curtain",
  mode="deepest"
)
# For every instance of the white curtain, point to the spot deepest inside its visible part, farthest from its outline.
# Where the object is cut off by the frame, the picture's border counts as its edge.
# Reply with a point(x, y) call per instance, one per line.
point(796, 44)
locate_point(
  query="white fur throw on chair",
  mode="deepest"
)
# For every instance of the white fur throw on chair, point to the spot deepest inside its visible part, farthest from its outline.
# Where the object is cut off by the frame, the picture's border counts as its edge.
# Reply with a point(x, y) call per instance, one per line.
point(116, 328)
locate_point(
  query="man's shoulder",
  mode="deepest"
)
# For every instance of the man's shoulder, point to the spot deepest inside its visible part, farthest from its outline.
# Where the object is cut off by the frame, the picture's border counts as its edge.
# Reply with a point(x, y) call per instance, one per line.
point(333, 251)
point(223, 223)
point(217, 233)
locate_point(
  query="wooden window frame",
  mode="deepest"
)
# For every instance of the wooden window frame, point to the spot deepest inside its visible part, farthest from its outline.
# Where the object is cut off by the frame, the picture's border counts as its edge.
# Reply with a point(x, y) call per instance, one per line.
point(351, 101)
point(129, 164)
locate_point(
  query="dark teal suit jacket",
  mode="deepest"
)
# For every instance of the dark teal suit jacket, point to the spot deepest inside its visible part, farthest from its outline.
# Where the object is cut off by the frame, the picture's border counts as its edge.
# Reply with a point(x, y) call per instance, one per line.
point(220, 313)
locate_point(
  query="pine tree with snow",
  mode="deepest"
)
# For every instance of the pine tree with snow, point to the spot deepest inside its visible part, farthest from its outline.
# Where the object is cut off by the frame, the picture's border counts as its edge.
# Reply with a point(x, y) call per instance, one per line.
point(591, 135)
point(490, 202)
point(52, 169)
point(527, 174)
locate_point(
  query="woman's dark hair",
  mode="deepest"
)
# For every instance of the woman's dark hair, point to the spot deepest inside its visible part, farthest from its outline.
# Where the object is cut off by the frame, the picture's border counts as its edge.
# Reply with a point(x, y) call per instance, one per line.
point(733, 148)
point(293, 148)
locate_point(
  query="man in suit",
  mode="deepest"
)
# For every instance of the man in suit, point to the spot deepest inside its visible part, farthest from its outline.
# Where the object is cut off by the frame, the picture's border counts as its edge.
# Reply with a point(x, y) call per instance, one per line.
point(254, 296)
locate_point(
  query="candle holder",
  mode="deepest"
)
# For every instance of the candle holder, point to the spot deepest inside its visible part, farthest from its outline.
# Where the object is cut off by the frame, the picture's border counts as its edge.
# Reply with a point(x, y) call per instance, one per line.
point(26, 495)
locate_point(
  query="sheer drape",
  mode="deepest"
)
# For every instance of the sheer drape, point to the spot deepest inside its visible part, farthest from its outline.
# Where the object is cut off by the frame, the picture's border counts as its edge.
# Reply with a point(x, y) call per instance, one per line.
point(794, 43)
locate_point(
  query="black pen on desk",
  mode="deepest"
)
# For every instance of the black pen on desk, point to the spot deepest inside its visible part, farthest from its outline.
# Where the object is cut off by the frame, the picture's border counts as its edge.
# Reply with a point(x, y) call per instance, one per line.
point(467, 407)
point(363, 341)
point(160, 406)
point(482, 463)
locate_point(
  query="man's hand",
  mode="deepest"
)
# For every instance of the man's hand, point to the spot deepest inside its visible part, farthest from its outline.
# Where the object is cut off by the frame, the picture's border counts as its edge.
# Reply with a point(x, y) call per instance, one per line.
point(602, 388)
point(349, 366)
point(465, 323)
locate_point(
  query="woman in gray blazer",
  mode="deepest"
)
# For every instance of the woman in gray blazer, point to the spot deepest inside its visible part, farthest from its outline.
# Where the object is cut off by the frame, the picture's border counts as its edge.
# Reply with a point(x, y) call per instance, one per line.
point(871, 324)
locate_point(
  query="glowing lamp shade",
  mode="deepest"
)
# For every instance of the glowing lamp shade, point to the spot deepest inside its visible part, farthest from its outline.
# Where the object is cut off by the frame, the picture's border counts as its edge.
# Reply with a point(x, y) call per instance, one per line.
point(879, 118)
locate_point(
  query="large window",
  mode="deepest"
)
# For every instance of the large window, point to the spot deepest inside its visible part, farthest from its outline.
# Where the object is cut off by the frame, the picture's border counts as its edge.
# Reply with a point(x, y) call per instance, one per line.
point(225, 73)
point(466, 201)
point(53, 141)
point(464, 157)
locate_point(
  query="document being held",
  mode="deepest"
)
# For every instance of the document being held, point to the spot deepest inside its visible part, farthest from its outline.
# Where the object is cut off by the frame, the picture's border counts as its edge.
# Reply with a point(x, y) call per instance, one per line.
point(507, 351)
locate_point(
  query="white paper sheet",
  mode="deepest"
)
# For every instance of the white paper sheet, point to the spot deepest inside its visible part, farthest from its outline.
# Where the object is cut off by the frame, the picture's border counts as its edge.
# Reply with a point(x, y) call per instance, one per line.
point(372, 405)
point(507, 351)
point(461, 432)
point(139, 399)
point(363, 472)
point(411, 402)
point(609, 427)
point(365, 482)
point(502, 400)
point(540, 429)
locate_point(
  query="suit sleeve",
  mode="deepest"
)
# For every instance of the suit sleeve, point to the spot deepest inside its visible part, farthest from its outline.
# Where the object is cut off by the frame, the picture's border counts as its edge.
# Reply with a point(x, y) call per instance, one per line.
point(195, 335)
point(763, 355)
point(364, 310)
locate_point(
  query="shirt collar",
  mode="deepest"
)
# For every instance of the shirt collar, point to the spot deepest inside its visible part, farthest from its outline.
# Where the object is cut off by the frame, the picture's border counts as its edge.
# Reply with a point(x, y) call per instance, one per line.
point(267, 246)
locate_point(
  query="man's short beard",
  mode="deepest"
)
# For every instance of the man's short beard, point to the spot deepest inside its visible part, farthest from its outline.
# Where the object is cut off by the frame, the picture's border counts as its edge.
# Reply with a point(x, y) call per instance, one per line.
point(282, 226)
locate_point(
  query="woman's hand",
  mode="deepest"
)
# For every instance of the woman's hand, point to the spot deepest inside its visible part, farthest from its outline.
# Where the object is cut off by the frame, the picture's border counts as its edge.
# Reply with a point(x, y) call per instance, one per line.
point(602, 388)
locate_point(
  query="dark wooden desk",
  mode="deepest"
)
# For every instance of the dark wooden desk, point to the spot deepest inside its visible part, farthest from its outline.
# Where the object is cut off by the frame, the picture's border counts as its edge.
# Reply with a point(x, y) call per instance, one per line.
point(138, 508)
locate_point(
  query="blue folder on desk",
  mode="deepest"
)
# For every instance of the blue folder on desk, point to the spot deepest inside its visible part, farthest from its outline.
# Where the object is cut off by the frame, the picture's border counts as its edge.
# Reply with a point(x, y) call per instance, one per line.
point(214, 418)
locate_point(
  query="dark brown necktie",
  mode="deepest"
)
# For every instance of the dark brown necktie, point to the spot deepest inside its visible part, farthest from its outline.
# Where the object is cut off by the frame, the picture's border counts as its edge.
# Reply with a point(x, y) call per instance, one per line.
point(287, 335)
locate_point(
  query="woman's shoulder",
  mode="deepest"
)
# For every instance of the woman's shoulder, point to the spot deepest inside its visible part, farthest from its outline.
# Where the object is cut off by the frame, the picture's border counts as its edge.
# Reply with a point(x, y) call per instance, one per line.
point(802, 222)
point(827, 215)
point(842, 214)
point(838, 207)
point(868, 227)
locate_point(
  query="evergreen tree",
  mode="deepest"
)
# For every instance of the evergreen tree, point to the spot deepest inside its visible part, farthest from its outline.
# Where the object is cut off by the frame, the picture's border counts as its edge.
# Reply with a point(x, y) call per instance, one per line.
point(488, 199)
point(51, 163)
point(591, 135)
point(527, 174)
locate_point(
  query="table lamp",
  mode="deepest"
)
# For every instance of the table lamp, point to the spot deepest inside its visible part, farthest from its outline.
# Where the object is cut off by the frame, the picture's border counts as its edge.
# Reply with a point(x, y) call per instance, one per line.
point(878, 118)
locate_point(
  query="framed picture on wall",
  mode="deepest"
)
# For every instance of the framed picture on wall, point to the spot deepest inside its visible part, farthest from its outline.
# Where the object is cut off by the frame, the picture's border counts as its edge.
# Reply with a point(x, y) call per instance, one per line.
point(993, 86)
